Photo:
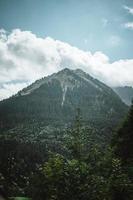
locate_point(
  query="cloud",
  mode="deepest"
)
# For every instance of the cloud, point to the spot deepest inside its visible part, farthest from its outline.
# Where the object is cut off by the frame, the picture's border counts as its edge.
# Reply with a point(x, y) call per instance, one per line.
point(8, 89)
point(129, 9)
point(24, 57)
point(129, 25)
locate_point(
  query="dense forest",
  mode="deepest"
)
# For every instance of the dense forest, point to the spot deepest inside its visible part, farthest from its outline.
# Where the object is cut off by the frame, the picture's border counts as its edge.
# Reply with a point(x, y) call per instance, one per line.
point(72, 165)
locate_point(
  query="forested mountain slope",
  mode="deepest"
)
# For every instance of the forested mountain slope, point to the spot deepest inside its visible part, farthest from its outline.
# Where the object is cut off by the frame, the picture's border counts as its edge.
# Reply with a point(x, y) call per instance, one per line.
point(53, 100)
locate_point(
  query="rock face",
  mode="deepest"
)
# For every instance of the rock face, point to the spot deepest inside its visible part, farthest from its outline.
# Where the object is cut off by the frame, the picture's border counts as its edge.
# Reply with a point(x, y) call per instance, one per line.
point(53, 100)
point(125, 93)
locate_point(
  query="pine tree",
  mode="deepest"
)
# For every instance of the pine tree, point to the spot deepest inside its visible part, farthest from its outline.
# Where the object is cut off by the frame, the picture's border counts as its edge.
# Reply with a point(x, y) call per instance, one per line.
point(123, 142)
point(75, 140)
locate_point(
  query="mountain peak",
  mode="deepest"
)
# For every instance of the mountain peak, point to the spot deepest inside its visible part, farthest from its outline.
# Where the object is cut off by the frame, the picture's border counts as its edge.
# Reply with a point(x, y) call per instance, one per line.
point(68, 79)
point(55, 98)
point(66, 70)
point(70, 71)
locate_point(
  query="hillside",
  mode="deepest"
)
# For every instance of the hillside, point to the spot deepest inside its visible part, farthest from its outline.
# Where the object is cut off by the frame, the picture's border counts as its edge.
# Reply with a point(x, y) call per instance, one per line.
point(53, 101)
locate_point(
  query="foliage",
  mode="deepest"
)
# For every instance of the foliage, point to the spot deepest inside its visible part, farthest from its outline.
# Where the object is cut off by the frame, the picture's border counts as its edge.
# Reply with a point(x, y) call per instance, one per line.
point(79, 169)
point(93, 175)
point(123, 142)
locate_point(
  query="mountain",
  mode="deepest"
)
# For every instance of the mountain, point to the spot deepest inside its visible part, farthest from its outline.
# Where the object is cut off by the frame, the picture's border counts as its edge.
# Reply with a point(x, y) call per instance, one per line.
point(53, 100)
point(125, 93)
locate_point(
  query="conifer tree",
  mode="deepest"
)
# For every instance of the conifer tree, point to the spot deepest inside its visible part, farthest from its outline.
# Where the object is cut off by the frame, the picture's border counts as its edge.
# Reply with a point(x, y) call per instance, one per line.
point(123, 143)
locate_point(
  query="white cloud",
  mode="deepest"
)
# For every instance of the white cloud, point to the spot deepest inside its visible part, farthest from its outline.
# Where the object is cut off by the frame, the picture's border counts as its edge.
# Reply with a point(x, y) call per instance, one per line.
point(24, 57)
point(9, 89)
point(129, 9)
point(129, 25)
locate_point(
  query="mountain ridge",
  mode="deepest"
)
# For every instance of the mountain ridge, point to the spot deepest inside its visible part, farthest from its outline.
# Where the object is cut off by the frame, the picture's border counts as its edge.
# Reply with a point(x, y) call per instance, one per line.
point(53, 101)
point(58, 76)
point(125, 93)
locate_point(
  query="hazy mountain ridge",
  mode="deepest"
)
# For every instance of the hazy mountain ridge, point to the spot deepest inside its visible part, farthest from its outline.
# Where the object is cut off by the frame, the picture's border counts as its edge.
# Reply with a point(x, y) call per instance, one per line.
point(125, 93)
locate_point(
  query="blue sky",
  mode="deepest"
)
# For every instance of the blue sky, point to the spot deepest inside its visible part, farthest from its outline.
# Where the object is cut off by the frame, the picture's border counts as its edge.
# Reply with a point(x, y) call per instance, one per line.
point(40, 37)
point(93, 25)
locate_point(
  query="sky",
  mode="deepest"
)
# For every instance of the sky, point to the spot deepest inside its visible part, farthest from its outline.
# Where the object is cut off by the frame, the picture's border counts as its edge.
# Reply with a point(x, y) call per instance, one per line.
point(40, 37)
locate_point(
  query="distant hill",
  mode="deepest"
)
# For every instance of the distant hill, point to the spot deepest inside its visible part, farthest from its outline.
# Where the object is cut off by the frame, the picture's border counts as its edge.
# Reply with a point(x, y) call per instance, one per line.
point(125, 93)
point(53, 100)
